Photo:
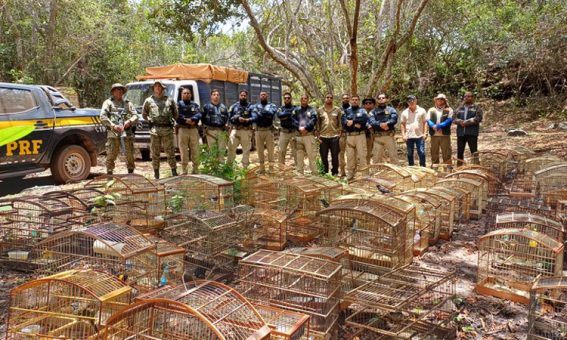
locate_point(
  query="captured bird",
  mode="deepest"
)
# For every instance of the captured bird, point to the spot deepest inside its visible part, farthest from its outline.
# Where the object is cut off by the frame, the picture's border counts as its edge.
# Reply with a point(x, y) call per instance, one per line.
point(324, 202)
point(383, 189)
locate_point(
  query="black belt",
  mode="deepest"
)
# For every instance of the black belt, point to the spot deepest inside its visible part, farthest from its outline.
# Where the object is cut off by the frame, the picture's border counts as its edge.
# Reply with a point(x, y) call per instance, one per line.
point(355, 133)
point(288, 130)
point(263, 128)
point(162, 125)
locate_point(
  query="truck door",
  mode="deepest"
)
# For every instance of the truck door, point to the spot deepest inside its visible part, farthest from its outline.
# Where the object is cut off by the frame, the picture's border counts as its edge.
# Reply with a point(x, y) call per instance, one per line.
point(26, 125)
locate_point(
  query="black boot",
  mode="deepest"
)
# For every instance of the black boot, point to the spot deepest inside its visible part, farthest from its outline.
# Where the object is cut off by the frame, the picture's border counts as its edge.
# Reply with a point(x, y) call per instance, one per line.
point(156, 173)
point(109, 172)
point(130, 171)
point(174, 172)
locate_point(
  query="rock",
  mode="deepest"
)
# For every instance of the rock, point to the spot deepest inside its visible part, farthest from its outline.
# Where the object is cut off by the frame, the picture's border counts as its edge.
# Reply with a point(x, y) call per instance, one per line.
point(562, 126)
point(517, 133)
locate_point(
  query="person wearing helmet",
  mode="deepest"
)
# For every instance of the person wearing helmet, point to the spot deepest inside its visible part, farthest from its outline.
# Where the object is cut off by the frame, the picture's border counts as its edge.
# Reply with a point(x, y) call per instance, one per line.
point(161, 112)
point(120, 118)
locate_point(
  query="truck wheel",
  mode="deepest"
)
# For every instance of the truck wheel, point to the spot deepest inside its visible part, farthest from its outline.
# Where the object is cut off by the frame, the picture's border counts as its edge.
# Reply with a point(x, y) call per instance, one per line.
point(146, 156)
point(71, 163)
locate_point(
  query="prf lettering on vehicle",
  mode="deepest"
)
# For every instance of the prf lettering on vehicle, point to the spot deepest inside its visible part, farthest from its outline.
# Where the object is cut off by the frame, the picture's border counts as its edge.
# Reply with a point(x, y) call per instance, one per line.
point(23, 147)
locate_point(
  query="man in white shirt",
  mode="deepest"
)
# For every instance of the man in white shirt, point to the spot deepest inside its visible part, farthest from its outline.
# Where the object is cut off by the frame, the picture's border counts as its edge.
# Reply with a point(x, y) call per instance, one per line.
point(414, 130)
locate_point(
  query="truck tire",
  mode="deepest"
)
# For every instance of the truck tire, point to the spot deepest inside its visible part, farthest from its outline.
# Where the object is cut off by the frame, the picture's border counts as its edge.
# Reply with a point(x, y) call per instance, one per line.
point(70, 164)
point(146, 155)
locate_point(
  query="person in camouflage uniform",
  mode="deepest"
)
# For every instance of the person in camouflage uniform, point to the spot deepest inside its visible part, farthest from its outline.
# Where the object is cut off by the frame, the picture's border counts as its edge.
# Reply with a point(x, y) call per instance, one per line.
point(120, 118)
point(160, 111)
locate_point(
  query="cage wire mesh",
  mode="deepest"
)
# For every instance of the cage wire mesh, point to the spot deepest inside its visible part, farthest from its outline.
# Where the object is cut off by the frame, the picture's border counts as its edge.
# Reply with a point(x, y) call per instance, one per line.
point(73, 304)
point(294, 282)
point(500, 205)
point(222, 307)
point(542, 224)
point(547, 317)
point(284, 324)
point(463, 198)
point(509, 260)
point(119, 250)
point(474, 188)
point(429, 210)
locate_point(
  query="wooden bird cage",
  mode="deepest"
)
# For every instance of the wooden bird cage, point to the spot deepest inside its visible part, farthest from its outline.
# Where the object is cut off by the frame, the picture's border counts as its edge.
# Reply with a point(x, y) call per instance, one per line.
point(170, 264)
point(477, 203)
point(207, 310)
point(68, 198)
point(117, 249)
point(547, 318)
point(427, 177)
point(373, 231)
point(72, 305)
point(522, 188)
point(490, 185)
point(403, 178)
point(428, 210)
point(519, 155)
point(551, 178)
point(190, 192)
point(495, 160)
point(442, 170)
point(509, 260)
point(284, 324)
point(294, 282)
point(561, 211)
point(255, 177)
point(26, 221)
point(210, 240)
point(462, 202)
point(268, 230)
point(445, 206)
point(553, 197)
point(534, 222)
point(139, 202)
point(532, 165)
point(406, 303)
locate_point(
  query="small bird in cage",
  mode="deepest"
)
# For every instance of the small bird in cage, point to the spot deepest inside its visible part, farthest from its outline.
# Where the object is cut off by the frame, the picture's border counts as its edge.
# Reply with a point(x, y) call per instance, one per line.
point(324, 202)
point(383, 189)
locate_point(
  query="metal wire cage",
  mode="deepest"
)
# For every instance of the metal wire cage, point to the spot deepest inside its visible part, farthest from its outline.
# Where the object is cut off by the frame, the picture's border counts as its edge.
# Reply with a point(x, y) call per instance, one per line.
point(190, 192)
point(551, 178)
point(509, 260)
point(255, 178)
point(538, 223)
point(554, 197)
point(489, 186)
point(374, 231)
point(71, 305)
point(500, 205)
point(210, 239)
point(28, 220)
point(294, 282)
point(547, 317)
point(532, 165)
point(139, 202)
point(117, 249)
point(407, 303)
point(209, 310)
point(284, 324)
point(462, 202)
point(471, 187)
point(170, 264)
point(497, 160)
point(268, 230)
point(445, 206)
point(428, 212)
point(68, 198)
point(402, 178)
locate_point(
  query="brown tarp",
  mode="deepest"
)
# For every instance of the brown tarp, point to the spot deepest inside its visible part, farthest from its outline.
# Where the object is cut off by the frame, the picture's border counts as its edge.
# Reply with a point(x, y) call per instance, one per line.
point(206, 72)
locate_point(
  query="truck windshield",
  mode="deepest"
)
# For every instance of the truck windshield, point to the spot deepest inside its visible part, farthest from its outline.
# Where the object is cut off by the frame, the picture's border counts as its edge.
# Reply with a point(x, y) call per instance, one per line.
point(137, 93)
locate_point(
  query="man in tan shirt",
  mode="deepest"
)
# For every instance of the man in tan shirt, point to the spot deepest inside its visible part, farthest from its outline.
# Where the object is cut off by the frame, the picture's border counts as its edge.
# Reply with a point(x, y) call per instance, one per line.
point(329, 131)
point(414, 130)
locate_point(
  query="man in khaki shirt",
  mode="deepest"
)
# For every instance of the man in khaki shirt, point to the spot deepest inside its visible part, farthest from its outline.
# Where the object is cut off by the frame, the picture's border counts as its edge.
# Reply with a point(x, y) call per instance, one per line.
point(329, 131)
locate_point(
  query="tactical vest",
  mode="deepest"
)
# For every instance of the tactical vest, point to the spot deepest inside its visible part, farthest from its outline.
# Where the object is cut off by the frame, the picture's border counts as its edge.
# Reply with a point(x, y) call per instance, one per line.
point(161, 110)
point(444, 116)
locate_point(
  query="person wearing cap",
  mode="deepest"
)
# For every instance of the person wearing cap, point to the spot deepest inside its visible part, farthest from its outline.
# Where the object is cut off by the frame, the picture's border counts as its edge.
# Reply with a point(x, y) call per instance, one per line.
point(304, 119)
point(345, 104)
point(120, 118)
point(287, 131)
point(467, 118)
point(354, 123)
point(264, 113)
point(369, 104)
point(214, 116)
point(329, 131)
point(439, 119)
point(241, 119)
point(188, 134)
point(414, 130)
point(161, 112)
point(383, 121)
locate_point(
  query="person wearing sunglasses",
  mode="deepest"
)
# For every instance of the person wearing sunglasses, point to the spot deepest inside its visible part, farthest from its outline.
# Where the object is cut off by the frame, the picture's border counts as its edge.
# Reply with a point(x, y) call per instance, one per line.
point(383, 121)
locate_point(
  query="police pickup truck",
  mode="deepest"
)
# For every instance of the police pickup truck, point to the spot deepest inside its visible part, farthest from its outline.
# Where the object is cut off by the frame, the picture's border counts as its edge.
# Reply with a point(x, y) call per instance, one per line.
point(40, 129)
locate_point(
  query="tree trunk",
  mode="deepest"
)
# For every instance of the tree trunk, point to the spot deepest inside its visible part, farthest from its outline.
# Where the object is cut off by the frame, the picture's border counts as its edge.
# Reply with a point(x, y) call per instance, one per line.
point(50, 41)
point(353, 35)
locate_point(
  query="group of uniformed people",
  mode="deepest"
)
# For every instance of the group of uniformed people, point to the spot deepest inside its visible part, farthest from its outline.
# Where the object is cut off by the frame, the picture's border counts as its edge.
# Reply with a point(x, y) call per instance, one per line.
point(361, 134)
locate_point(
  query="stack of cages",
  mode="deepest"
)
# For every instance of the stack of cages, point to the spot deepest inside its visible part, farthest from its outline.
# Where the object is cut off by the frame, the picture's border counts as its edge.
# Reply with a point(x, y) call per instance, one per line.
point(542, 224)
point(551, 183)
point(207, 310)
point(509, 260)
point(212, 240)
point(312, 194)
point(547, 317)
point(198, 192)
point(463, 196)
point(495, 160)
point(117, 249)
point(131, 199)
point(284, 324)
point(371, 230)
point(500, 205)
point(169, 261)
point(26, 221)
point(406, 303)
point(74, 304)
point(295, 282)
point(428, 212)
point(444, 206)
point(473, 187)
point(489, 186)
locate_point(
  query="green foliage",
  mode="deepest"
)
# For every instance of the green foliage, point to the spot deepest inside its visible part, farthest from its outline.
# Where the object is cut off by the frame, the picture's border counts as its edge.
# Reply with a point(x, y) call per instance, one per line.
point(177, 201)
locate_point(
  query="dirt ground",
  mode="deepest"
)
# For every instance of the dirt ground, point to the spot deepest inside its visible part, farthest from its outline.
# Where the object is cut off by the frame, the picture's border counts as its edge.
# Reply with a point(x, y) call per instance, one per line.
point(481, 318)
